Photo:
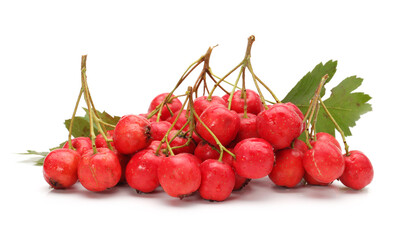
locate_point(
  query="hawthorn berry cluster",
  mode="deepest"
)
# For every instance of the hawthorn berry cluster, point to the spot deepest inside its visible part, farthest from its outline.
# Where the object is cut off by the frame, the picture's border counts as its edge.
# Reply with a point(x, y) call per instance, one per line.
point(209, 144)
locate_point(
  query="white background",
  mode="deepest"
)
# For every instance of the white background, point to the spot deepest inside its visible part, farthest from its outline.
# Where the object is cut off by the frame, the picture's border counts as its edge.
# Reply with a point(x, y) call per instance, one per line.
point(137, 50)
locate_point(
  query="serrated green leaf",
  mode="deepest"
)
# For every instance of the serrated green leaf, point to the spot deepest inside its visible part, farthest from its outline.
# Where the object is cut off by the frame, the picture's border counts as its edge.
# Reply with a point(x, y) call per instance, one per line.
point(106, 117)
point(345, 106)
point(303, 91)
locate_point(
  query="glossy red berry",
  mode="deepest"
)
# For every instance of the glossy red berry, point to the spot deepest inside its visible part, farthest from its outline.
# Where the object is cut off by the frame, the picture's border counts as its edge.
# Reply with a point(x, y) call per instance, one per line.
point(311, 181)
point(99, 171)
point(279, 125)
point(180, 140)
point(254, 104)
point(288, 169)
point(174, 105)
point(201, 103)
point(179, 175)
point(298, 112)
point(60, 168)
point(206, 151)
point(159, 130)
point(217, 180)
point(222, 122)
point(132, 133)
point(324, 162)
point(240, 182)
point(300, 145)
point(100, 141)
point(254, 158)
point(142, 171)
point(248, 127)
point(80, 144)
point(358, 171)
point(181, 120)
point(326, 137)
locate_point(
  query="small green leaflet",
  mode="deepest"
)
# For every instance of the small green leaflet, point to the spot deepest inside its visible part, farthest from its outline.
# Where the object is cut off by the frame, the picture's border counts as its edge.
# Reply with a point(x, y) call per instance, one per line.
point(80, 128)
point(344, 105)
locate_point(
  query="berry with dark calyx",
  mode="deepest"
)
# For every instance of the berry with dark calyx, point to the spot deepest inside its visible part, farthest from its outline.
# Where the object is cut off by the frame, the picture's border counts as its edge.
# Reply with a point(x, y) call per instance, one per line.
point(132, 133)
point(181, 120)
point(201, 103)
point(142, 171)
point(80, 144)
point(174, 105)
point(159, 129)
point(206, 151)
point(217, 180)
point(60, 168)
point(279, 125)
point(99, 171)
point(288, 169)
point(254, 158)
point(179, 175)
point(100, 141)
point(240, 182)
point(254, 104)
point(180, 140)
point(324, 162)
point(311, 181)
point(222, 122)
point(358, 171)
point(248, 127)
point(326, 137)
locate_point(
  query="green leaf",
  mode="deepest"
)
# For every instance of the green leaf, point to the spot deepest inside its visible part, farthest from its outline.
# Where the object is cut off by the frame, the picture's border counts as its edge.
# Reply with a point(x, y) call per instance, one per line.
point(345, 106)
point(80, 128)
point(106, 117)
point(303, 91)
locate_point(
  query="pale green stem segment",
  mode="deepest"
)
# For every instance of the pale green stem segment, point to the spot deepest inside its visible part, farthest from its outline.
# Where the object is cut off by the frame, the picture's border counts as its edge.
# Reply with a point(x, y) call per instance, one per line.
point(336, 126)
point(311, 109)
point(72, 119)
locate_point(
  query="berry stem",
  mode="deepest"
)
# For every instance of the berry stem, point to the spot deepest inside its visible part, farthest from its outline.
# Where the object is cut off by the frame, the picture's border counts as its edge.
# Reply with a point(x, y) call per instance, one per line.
point(234, 87)
point(87, 99)
point(165, 138)
point(73, 117)
point(336, 126)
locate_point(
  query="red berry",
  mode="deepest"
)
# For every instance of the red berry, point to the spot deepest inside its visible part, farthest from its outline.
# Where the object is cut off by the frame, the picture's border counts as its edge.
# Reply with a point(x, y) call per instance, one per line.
point(254, 104)
point(99, 171)
point(298, 112)
point(300, 145)
point(60, 168)
point(180, 140)
point(132, 133)
point(326, 137)
point(324, 162)
point(222, 122)
point(279, 125)
point(240, 182)
point(159, 130)
point(179, 175)
point(123, 161)
point(226, 98)
point(254, 158)
point(174, 105)
point(217, 180)
point(100, 141)
point(311, 181)
point(206, 151)
point(181, 120)
point(201, 103)
point(288, 169)
point(142, 171)
point(248, 127)
point(154, 146)
point(80, 144)
point(358, 171)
